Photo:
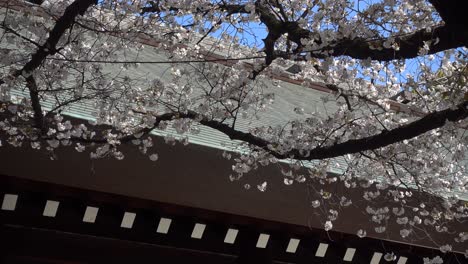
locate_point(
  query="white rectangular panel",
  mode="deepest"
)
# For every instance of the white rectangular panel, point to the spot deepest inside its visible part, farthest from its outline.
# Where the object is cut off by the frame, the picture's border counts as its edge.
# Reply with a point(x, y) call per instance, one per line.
point(51, 208)
point(164, 224)
point(9, 202)
point(402, 260)
point(376, 258)
point(127, 220)
point(349, 254)
point(90, 214)
point(262, 241)
point(292, 246)
point(198, 230)
point(231, 236)
point(321, 250)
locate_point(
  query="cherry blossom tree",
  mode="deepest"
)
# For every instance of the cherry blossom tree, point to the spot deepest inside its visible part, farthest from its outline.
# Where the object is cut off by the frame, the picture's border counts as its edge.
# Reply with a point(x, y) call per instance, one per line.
point(397, 71)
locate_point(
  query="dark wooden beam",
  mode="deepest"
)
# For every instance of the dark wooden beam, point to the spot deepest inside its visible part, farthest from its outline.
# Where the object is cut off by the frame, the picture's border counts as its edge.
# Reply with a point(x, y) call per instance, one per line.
point(38, 245)
point(27, 222)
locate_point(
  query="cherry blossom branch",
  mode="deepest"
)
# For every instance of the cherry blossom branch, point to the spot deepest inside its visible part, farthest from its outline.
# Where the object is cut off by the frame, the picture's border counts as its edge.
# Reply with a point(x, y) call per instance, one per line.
point(78, 7)
point(35, 102)
point(11, 31)
point(439, 38)
point(155, 62)
point(155, 7)
point(404, 132)
point(128, 138)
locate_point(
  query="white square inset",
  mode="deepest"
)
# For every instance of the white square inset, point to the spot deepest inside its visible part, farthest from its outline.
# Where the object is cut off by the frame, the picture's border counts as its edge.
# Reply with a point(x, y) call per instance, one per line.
point(349, 254)
point(50, 209)
point(9, 202)
point(90, 214)
point(231, 236)
point(292, 246)
point(127, 220)
point(376, 258)
point(164, 224)
point(321, 250)
point(198, 230)
point(402, 260)
point(262, 241)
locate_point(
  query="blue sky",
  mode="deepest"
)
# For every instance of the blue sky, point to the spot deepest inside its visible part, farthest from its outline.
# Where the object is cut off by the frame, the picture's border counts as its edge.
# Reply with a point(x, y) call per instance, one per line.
point(253, 34)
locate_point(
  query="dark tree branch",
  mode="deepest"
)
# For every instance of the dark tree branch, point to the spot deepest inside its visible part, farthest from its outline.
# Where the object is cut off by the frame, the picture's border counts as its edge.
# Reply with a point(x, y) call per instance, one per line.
point(35, 103)
point(155, 7)
point(340, 93)
point(451, 12)
point(409, 46)
point(453, 34)
point(37, 2)
point(128, 138)
point(405, 132)
point(78, 7)
point(11, 31)
point(441, 38)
